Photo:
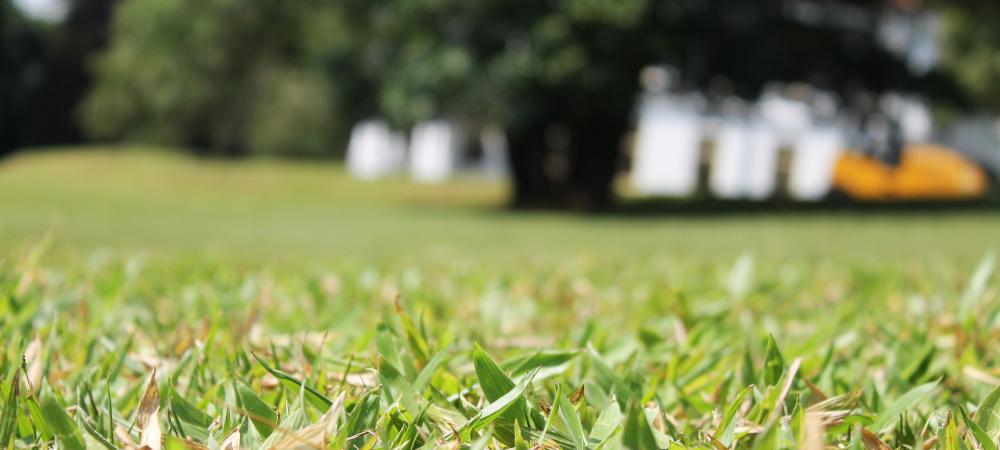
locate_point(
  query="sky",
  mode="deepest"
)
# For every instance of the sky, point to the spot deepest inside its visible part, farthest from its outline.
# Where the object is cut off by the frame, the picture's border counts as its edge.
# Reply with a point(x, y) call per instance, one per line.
point(48, 10)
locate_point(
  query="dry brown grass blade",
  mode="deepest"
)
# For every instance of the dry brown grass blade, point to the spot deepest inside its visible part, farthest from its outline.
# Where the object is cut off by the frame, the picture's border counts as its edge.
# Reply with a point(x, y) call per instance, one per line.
point(839, 402)
point(147, 416)
point(313, 436)
point(33, 359)
point(872, 442)
point(232, 441)
point(367, 379)
point(816, 391)
point(680, 331)
point(125, 438)
point(980, 375)
point(830, 418)
point(544, 406)
point(578, 394)
point(832, 411)
point(814, 430)
point(715, 443)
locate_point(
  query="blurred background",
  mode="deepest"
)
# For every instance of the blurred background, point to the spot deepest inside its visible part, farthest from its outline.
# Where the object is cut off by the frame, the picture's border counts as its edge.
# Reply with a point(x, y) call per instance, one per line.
point(573, 104)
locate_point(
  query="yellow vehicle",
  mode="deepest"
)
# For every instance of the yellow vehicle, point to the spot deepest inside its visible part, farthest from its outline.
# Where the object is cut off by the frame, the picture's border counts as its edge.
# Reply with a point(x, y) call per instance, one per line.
point(923, 172)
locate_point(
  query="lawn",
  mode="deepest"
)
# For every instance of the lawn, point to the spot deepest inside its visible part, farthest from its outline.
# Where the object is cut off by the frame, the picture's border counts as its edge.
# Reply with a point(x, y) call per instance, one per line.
point(160, 202)
point(284, 305)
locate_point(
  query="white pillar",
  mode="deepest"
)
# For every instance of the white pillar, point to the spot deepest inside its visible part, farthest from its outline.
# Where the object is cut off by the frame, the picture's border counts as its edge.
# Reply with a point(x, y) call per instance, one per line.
point(813, 160)
point(665, 161)
point(370, 152)
point(433, 151)
point(745, 162)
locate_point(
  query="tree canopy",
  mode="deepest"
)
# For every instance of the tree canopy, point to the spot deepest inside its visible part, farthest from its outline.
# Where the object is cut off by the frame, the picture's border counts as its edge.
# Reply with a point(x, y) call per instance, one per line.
point(226, 76)
point(241, 77)
point(562, 75)
point(971, 53)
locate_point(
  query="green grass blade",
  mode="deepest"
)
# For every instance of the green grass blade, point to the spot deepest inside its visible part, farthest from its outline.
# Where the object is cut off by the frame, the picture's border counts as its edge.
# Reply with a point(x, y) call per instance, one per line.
point(497, 408)
point(988, 413)
point(607, 424)
point(951, 440)
point(982, 437)
point(495, 384)
point(97, 435)
point(8, 421)
point(414, 339)
point(541, 358)
point(187, 411)
point(315, 397)
point(261, 415)
point(61, 424)
point(399, 387)
point(608, 379)
point(725, 431)
point(637, 434)
point(774, 363)
point(519, 442)
point(977, 284)
point(424, 377)
point(571, 420)
point(888, 416)
point(361, 419)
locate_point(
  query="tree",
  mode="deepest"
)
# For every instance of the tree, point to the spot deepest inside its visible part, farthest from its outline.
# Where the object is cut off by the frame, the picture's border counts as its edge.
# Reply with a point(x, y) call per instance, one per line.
point(229, 77)
point(66, 77)
point(44, 74)
point(562, 75)
point(971, 50)
point(20, 62)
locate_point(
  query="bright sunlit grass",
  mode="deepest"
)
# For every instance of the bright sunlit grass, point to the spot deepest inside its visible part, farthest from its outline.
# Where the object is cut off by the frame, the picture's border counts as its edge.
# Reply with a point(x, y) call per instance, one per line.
point(148, 200)
point(286, 306)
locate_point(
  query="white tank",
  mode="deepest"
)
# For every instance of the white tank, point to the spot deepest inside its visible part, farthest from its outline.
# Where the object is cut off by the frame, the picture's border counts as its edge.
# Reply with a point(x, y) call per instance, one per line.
point(373, 150)
point(433, 151)
point(665, 161)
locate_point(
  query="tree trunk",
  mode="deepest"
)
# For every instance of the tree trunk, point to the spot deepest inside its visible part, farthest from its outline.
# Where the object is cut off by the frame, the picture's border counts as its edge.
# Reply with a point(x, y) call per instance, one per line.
point(567, 163)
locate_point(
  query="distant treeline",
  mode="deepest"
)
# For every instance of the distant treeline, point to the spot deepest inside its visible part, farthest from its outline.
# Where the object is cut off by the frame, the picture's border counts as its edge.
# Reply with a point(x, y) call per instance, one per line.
point(289, 78)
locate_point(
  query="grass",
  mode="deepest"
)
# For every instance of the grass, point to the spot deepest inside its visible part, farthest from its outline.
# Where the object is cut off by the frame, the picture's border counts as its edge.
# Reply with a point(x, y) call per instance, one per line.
point(160, 202)
point(151, 300)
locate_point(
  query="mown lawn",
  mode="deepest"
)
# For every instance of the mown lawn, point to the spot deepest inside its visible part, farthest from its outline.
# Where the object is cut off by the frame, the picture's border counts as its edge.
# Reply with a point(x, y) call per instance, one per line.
point(282, 305)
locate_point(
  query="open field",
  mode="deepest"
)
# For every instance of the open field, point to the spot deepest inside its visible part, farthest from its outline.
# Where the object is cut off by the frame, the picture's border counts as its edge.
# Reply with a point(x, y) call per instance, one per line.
point(284, 305)
point(161, 202)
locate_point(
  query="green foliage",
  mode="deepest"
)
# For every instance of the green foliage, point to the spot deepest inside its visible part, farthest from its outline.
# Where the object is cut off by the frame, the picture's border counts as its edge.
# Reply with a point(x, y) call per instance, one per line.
point(988, 412)
point(62, 425)
point(229, 76)
point(8, 421)
point(495, 383)
point(21, 61)
point(889, 415)
point(981, 436)
point(488, 61)
point(262, 416)
point(970, 51)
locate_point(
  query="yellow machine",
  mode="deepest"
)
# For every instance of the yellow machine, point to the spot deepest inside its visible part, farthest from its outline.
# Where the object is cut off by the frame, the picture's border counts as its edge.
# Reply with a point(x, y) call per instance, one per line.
point(924, 172)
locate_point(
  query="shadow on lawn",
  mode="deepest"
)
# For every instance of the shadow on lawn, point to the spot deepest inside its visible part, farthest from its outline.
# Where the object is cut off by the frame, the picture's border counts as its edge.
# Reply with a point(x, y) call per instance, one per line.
point(651, 208)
